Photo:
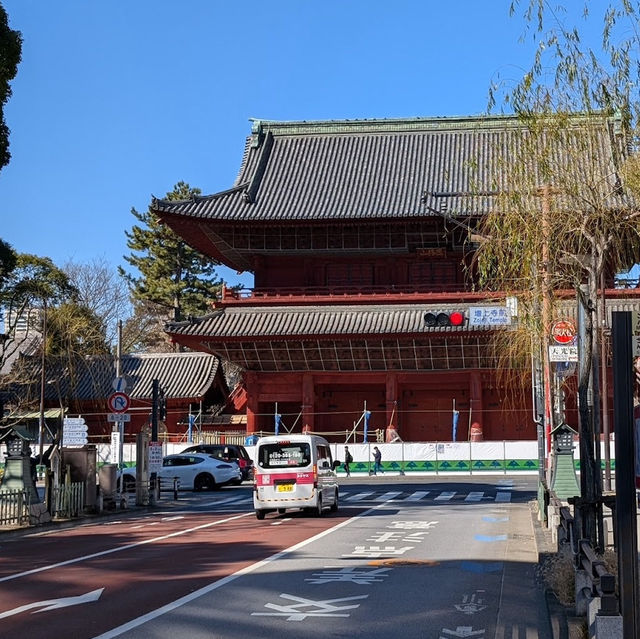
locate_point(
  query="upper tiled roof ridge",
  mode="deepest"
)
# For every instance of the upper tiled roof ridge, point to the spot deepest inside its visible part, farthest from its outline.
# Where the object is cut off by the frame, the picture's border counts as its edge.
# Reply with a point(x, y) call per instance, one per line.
point(260, 127)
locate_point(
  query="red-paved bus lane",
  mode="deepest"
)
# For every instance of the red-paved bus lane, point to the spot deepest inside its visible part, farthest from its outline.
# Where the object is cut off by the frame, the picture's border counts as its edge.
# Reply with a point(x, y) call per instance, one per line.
point(83, 581)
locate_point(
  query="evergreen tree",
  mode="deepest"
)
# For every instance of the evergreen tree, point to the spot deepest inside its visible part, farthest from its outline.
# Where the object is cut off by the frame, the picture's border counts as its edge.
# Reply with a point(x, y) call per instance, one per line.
point(172, 274)
point(10, 55)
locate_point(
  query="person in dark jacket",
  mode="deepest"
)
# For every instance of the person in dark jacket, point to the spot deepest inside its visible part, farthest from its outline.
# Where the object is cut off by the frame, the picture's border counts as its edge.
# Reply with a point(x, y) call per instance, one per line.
point(347, 461)
point(377, 461)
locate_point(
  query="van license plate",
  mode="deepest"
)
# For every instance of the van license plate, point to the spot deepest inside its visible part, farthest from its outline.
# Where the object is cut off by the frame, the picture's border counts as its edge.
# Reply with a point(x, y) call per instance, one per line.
point(284, 488)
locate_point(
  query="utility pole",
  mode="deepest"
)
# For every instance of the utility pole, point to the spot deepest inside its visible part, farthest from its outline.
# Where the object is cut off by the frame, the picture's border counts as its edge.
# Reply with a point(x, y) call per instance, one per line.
point(626, 509)
point(155, 399)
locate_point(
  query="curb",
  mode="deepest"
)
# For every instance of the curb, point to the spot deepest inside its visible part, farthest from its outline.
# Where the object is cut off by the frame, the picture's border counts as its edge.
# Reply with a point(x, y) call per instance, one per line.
point(556, 612)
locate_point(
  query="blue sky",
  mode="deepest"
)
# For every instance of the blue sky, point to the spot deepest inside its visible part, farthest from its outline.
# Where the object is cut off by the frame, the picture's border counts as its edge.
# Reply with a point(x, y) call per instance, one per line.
point(117, 101)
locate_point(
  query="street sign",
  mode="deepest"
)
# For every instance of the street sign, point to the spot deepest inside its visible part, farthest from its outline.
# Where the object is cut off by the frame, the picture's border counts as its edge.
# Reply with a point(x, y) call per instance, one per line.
point(74, 441)
point(115, 447)
point(563, 353)
point(119, 384)
point(73, 421)
point(489, 316)
point(155, 457)
point(118, 417)
point(563, 332)
point(635, 333)
point(67, 429)
point(118, 402)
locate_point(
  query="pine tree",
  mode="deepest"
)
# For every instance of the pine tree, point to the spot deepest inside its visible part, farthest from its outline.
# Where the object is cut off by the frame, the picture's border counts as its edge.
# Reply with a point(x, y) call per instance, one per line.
point(172, 274)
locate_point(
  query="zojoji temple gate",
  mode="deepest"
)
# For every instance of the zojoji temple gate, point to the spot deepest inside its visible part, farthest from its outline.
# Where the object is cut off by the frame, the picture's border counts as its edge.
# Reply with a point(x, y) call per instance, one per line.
point(364, 295)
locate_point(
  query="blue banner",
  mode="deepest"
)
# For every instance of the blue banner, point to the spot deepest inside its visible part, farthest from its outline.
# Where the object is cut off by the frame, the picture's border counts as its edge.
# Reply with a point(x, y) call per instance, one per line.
point(367, 414)
point(192, 421)
point(455, 424)
point(278, 422)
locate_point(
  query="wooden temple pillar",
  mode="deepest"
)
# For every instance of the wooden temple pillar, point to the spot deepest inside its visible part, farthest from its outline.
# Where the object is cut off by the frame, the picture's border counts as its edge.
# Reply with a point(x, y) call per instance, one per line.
point(308, 403)
point(252, 403)
point(475, 406)
point(391, 397)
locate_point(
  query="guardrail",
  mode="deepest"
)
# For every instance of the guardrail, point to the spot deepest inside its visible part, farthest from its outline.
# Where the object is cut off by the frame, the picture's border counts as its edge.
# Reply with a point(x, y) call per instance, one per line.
point(15, 507)
point(593, 580)
point(602, 583)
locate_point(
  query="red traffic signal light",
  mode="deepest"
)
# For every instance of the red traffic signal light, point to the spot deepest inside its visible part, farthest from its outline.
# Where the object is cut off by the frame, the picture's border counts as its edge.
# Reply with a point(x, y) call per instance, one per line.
point(452, 318)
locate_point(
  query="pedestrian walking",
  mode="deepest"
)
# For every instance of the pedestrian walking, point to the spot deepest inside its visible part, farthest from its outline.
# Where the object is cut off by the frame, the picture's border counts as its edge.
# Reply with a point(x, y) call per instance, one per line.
point(347, 461)
point(377, 461)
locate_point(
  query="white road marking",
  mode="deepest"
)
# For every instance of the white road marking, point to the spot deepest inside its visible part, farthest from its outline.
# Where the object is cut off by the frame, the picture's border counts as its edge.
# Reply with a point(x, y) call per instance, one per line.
point(309, 608)
point(54, 604)
point(388, 496)
point(230, 500)
point(357, 497)
point(474, 496)
point(280, 521)
point(503, 496)
point(417, 496)
point(134, 623)
point(445, 496)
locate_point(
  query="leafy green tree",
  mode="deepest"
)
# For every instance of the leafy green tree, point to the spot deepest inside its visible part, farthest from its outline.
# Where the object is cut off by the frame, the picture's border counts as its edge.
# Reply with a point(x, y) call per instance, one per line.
point(564, 220)
point(172, 275)
point(75, 330)
point(10, 55)
point(28, 293)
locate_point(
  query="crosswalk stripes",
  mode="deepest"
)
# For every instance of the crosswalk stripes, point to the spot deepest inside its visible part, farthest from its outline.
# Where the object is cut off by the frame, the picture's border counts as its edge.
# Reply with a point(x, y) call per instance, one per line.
point(417, 496)
point(388, 496)
point(358, 496)
point(502, 495)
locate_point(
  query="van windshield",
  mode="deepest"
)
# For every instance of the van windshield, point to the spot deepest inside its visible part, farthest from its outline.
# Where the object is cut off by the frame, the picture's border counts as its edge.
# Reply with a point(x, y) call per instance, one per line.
point(284, 455)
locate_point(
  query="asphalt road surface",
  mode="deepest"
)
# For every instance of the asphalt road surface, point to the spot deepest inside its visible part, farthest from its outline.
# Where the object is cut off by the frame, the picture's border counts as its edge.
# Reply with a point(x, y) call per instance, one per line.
point(427, 558)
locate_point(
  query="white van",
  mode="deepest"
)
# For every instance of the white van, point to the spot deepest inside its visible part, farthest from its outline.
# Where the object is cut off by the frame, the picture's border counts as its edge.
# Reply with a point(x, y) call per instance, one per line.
point(294, 471)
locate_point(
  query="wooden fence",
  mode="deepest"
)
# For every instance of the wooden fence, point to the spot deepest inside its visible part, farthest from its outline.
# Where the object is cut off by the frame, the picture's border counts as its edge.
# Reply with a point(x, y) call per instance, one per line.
point(15, 507)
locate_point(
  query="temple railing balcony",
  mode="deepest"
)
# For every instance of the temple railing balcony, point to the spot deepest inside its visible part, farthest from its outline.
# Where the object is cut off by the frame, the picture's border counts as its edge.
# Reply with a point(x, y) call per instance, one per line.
point(386, 294)
point(348, 294)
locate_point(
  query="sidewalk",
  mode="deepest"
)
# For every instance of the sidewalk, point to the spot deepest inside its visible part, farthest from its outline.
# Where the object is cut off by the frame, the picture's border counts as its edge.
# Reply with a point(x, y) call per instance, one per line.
point(562, 622)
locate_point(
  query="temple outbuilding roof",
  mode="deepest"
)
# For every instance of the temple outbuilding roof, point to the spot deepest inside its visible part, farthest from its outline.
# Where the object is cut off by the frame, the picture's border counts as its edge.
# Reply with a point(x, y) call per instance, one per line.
point(185, 376)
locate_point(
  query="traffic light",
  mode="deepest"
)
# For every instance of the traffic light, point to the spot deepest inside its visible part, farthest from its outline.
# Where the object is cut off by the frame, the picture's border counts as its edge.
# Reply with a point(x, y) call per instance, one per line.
point(162, 405)
point(444, 318)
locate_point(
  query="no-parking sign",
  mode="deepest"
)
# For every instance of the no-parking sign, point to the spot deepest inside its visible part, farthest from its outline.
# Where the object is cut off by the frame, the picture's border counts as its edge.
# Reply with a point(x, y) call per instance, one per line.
point(118, 402)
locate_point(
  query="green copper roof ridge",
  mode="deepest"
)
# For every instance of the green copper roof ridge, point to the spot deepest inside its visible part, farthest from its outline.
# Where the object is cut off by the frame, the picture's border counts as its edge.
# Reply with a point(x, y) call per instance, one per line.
point(483, 121)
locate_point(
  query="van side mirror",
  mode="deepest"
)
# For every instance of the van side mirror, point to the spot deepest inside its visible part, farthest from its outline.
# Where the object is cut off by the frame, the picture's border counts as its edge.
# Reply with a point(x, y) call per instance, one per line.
point(336, 463)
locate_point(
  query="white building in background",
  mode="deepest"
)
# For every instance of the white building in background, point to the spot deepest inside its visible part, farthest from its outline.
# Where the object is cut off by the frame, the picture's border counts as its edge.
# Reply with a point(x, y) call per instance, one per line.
point(21, 334)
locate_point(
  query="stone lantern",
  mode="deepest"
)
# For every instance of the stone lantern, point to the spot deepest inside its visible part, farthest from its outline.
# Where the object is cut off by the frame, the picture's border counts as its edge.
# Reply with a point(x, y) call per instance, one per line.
point(18, 466)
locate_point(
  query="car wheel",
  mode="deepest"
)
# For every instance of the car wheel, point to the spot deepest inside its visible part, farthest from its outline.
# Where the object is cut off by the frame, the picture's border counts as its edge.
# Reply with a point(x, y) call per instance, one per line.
point(128, 484)
point(334, 505)
point(282, 511)
point(260, 514)
point(318, 509)
point(236, 482)
point(204, 482)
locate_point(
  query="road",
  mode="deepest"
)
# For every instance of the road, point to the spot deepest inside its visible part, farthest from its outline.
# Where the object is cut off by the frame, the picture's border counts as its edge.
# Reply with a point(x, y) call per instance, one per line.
point(427, 558)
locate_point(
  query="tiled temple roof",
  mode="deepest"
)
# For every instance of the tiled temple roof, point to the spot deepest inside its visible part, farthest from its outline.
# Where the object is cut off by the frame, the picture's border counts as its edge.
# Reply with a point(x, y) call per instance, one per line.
point(181, 375)
point(369, 170)
point(317, 321)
